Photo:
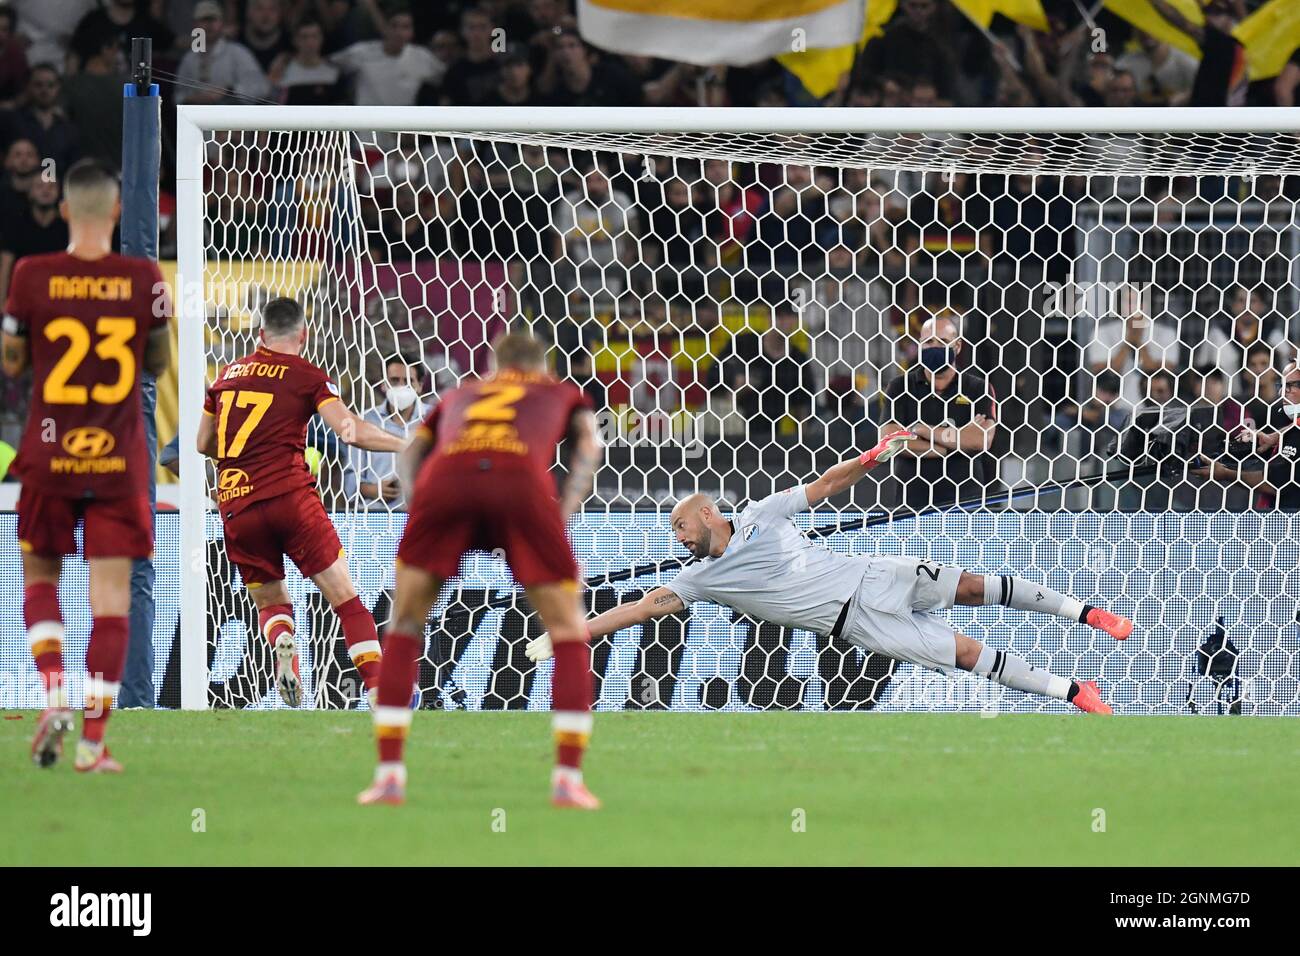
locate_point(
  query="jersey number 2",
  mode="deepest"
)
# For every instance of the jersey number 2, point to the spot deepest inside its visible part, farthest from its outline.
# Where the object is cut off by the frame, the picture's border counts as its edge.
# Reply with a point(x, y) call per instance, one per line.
point(495, 405)
point(258, 401)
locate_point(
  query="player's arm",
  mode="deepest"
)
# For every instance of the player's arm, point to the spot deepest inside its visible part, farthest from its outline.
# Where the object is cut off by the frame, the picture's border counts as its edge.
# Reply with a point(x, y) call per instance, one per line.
point(974, 437)
point(410, 458)
point(584, 459)
point(1178, 21)
point(846, 474)
point(657, 603)
point(14, 348)
point(356, 431)
point(923, 444)
point(158, 351)
point(207, 440)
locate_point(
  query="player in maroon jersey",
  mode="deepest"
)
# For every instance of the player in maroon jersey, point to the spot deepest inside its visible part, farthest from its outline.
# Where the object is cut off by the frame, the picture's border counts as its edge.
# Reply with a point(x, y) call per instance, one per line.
point(86, 320)
point(254, 426)
point(477, 476)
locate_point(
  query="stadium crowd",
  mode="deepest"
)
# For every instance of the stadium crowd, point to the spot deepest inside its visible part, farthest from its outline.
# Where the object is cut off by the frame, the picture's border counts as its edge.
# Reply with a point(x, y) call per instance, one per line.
point(789, 308)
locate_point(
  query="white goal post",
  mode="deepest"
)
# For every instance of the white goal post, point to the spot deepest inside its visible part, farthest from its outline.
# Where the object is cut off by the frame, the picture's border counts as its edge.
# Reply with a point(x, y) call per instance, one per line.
point(1091, 145)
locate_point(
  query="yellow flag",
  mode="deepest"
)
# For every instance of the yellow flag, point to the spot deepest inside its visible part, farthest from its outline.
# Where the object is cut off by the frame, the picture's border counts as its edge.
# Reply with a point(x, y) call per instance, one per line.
point(1028, 12)
point(1146, 18)
point(980, 11)
point(1270, 35)
point(820, 70)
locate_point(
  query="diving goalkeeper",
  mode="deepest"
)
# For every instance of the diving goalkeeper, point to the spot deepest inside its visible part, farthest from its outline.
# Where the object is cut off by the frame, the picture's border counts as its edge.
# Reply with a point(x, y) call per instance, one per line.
point(761, 565)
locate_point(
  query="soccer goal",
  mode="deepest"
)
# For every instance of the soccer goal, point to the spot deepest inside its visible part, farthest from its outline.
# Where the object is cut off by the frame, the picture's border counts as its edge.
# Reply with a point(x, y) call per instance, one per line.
point(745, 294)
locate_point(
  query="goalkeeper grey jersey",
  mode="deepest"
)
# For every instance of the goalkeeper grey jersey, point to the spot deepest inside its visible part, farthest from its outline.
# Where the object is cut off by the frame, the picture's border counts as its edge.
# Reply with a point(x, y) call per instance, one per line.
point(771, 572)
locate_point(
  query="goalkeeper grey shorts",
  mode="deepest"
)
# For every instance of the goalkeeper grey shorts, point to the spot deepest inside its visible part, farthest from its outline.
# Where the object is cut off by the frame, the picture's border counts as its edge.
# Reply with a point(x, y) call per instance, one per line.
point(891, 613)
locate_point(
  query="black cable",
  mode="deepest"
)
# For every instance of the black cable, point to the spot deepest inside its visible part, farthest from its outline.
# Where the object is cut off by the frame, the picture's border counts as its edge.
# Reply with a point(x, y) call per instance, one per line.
point(176, 80)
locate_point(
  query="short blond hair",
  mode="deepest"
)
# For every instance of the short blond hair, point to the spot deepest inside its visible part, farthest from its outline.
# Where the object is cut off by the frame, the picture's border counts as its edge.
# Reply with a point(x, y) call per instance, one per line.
point(520, 350)
point(90, 190)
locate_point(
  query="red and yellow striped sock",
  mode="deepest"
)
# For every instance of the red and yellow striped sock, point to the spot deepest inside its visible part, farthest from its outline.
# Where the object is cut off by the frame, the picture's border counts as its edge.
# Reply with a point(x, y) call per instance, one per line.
point(362, 640)
point(274, 620)
point(571, 704)
point(44, 623)
point(105, 658)
point(397, 671)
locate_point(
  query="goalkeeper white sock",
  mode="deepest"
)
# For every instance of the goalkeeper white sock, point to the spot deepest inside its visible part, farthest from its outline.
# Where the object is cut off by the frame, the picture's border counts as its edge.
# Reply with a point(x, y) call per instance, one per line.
point(1017, 673)
point(1027, 596)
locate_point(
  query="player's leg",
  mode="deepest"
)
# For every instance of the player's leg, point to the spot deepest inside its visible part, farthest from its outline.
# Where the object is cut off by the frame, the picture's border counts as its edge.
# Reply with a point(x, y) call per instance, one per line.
point(982, 589)
point(110, 602)
point(541, 559)
point(45, 533)
point(312, 541)
point(253, 541)
point(275, 621)
point(359, 633)
point(44, 622)
point(115, 532)
point(1015, 672)
point(558, 606)
point(414, 595)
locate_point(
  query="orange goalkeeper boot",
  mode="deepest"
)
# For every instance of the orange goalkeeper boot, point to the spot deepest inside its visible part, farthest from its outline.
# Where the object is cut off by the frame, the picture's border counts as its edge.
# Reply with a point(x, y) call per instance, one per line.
point(1088, 698)
point(1115, 625)
point(47, 744)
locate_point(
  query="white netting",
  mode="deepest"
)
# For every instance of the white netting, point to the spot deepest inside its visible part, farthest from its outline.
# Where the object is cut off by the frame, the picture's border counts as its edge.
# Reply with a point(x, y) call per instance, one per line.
point(747, 310)
point(1078, 154)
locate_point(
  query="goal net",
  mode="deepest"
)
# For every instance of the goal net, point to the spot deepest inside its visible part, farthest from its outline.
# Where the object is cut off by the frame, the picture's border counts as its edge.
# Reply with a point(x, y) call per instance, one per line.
point(746, 308)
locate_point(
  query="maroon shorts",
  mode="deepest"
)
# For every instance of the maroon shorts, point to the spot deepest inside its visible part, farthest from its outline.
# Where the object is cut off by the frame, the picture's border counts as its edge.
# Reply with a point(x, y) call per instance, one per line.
point(112, 527)
point(457, 510)
point(295, 524)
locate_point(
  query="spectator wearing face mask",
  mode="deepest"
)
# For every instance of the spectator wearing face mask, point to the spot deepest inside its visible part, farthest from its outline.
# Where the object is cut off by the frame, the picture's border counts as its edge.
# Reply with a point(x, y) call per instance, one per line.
point(372, 476)
point(952, 412)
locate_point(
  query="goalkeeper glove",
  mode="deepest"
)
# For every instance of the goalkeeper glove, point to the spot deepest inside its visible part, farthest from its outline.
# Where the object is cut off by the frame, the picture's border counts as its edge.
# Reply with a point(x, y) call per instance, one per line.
point(885, 449)
point(539, 648)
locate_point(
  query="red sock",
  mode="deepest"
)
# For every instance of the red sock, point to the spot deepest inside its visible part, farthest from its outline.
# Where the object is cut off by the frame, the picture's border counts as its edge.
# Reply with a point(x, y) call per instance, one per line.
point(397, 671)
point(571, 702)
point(362, 639)
point(105, 658)
point(275, 620)
point(45, 632)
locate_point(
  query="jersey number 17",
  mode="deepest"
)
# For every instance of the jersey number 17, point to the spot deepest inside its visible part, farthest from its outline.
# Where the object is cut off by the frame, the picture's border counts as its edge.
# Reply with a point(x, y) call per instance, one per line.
point(259, 402)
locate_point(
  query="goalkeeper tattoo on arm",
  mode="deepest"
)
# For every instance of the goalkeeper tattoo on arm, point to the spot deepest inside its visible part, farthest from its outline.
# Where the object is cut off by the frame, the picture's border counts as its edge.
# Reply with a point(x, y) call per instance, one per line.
point(658, 603)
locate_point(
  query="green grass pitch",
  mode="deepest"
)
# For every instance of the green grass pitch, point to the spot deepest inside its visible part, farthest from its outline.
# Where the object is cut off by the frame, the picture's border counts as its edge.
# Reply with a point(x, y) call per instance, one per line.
point(278, 788)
